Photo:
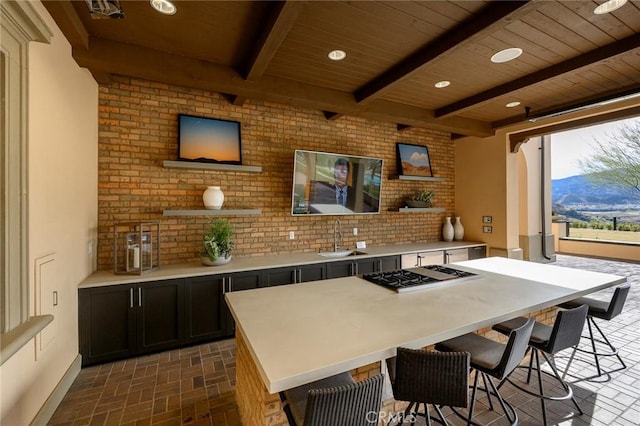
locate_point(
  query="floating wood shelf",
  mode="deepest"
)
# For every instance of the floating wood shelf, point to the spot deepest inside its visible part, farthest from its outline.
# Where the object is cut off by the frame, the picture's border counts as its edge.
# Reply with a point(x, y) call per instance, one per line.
point(168, 164)
point(221, 212)
point(421, 178)
point(421, 210)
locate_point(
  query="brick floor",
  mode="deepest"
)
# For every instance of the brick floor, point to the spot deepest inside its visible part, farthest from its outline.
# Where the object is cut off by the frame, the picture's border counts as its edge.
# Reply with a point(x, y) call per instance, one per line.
point(194, 386)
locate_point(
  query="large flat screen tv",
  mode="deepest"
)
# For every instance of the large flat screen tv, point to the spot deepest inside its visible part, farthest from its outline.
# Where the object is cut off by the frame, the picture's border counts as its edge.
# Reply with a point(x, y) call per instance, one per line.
point(335, 184)
point(209, 140)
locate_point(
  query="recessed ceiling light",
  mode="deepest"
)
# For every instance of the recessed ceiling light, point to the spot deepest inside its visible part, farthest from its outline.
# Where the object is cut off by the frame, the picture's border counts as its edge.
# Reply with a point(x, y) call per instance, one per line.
point(609, 6)
point(337, 55)
point(163, 6)
point(506, 55)
point(442, 84)
point(512, 104)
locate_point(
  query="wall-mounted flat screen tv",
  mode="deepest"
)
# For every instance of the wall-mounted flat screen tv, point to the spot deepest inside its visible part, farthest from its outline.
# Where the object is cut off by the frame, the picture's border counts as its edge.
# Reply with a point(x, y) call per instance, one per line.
point(335, 184)
point(209, 140)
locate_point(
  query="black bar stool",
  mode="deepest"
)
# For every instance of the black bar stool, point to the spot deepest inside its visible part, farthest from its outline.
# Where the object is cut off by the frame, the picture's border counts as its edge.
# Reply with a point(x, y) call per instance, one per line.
point(428, 377)
point(336, 400)
point(605, 310)
point(547, 340)
point(492, 359)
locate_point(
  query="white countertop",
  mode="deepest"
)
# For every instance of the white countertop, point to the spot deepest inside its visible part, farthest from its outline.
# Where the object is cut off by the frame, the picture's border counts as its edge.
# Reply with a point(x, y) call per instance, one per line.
point(249, 263)
point(305, 332)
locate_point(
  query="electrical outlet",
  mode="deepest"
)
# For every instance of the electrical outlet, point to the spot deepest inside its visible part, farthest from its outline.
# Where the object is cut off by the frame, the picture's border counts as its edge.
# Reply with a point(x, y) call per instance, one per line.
point(292, 235)
point(487, 219)
point(487, 229)
point(355, 231)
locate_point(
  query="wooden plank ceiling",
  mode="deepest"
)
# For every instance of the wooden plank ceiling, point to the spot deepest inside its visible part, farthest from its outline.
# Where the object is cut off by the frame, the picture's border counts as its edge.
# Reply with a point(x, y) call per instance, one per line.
point(396, 52)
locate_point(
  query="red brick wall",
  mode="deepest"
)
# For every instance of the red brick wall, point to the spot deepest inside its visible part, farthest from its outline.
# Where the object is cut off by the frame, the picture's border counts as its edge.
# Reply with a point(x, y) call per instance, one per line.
point(138, 131)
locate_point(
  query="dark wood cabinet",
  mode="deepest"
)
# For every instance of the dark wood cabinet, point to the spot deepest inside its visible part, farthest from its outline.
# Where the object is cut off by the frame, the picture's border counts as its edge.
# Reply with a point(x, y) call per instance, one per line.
point(294, 274)
point(347, 268)
point(204, 317)
point(279, 276)
point(238, 281)
point(124, 320)
point(160, 315)
point(107, 323)
point(312, 272)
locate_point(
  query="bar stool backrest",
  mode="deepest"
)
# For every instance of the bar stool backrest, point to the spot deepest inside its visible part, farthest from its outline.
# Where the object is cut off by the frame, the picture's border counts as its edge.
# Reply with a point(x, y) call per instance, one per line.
point(357, 404)
point(431, 377)
point(567, 329)
point(617, 301)
point(514, 350)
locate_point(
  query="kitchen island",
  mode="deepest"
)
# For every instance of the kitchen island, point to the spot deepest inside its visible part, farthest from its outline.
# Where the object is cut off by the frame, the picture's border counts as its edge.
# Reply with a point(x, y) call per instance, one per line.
point(290, 336)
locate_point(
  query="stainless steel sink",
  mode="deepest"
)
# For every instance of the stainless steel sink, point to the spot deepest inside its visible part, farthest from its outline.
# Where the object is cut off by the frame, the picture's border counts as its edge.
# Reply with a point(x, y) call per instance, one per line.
point(341, 253)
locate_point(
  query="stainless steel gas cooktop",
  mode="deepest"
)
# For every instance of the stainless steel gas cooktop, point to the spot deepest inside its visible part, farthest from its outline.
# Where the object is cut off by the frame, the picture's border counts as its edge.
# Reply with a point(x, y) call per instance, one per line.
point(403, 280)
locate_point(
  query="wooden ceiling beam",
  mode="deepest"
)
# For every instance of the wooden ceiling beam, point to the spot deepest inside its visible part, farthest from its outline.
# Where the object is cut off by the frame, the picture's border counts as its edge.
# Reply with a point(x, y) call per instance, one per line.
point(596, 55)
point(517, 139)
point(69, 22)
point(138, 62)
point(331, 116)
point(234, 99)
point(276, 29)
point(492, 14)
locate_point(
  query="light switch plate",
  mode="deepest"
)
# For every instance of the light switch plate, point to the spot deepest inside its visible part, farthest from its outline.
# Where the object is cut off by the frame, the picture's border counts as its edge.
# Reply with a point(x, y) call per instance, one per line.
point(487, 229)
point(487, 219)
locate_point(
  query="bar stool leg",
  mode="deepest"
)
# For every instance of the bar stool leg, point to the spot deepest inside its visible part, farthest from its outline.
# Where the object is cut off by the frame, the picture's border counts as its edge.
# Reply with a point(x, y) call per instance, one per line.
point(486, 389)
point(593, 346)
point(503, 404)
point(613, 349)
point(542, 399)
point(566, 387)
point(473, 397)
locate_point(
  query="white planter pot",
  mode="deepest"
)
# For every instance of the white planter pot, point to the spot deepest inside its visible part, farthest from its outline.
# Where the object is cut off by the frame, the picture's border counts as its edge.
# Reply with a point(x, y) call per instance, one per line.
point(213, 197)
point(219, 261)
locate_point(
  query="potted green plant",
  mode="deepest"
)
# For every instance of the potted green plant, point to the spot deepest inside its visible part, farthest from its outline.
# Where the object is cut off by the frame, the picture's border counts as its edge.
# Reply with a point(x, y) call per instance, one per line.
point(217, 244)
point(422, 199)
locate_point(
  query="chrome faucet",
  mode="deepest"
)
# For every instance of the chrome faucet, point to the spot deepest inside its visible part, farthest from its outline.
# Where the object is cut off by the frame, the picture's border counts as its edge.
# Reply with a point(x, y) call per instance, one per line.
point(337, 234)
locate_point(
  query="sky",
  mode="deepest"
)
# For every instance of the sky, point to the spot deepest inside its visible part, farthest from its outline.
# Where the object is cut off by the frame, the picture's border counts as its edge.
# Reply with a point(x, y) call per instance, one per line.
point(569, 147)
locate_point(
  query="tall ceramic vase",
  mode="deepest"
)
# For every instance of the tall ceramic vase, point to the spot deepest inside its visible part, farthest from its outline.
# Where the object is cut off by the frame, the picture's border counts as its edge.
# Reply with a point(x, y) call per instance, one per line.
point(447, 229)
point(213, 197)
point(458, 229)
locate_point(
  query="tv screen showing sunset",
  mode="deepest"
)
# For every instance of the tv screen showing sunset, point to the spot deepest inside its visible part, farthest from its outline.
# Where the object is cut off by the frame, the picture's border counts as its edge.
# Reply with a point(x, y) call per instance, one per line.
point(211, 140)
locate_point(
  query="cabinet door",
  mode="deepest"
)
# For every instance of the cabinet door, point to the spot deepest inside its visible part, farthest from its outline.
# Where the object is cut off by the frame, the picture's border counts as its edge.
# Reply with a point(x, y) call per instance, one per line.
point(206, 314)
point(107, 323)
point(389, 263)
point(313, 272)
point(456, 255)
point(431, 258)
point(238, 282)
point(160, 315)
point(279, 276)
point(367, 266)
point(340, 269)
point(409, 261)
point(477, 252)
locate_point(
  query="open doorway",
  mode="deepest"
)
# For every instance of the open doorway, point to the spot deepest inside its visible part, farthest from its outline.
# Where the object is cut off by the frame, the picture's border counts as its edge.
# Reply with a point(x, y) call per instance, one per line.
point(587, 202)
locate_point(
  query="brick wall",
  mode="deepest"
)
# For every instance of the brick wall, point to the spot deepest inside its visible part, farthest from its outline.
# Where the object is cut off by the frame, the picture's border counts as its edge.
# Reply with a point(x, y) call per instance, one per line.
point(139, 130)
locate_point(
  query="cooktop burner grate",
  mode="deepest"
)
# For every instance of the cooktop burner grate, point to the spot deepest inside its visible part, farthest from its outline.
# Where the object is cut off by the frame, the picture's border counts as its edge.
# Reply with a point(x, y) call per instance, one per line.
point(449, 271)
point(402, 280)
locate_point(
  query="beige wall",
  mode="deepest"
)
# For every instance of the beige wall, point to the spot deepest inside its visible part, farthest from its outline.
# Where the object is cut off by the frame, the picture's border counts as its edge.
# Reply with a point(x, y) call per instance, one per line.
point(486, 176)
point(62, 135)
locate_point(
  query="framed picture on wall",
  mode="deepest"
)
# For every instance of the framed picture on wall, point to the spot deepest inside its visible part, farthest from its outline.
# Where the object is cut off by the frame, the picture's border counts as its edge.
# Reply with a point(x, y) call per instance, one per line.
point(413, 160)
